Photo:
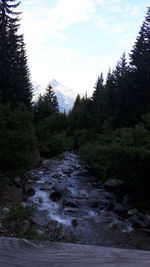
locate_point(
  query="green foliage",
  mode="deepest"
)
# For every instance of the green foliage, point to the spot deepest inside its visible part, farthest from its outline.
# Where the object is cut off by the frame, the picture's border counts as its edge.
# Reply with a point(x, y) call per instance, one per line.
point(46, 105)
point(50, 124)
point(17, 140)
point(17, 218)
point(56, 144)
point(123, 154)
point(15, 84)
point(56, 234)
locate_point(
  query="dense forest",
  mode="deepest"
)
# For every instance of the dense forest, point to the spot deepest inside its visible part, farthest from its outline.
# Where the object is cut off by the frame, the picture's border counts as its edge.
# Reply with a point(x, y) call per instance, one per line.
point(110, 130)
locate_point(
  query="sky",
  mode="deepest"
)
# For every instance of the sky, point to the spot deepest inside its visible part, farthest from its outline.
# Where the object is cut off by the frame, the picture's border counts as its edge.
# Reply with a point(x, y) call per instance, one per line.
point(74, 41)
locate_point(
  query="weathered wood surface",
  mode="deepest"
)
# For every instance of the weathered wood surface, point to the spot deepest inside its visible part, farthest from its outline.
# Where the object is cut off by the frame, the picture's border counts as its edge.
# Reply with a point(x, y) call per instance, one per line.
point(23, 253)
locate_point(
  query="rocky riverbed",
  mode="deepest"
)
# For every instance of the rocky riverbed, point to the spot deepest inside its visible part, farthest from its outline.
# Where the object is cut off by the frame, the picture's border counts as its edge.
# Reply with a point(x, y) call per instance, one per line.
point(71, 205)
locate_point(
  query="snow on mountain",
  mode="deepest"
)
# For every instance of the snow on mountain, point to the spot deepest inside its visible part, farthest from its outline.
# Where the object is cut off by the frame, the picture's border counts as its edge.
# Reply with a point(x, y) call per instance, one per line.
point(65, 96)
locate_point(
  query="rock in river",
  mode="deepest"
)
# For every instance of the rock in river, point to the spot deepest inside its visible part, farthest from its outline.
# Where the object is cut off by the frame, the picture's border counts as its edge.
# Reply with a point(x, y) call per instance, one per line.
point(30, 192)
point(113, 184)
point(55, 196)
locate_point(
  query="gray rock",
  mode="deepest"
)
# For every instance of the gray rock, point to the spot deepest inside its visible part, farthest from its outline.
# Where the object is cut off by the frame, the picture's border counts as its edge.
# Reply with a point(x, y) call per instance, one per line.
point(1, 228)
point(124, 227)
point(146, 231)
point(55, 196)
point(147, 219)
point(137, 222)
point(132, 212)
point(30, 192)
point(26, 226)
point(112, 226)
point(70, 204)
point(113, 184)
point(83, 193)
point(5, 211)
point(18, 181)
point(40, 232)
point(94, 194)
point(127, 202)
point(56, 175)
point(74, 223)
point(24, 204)
point(118, 208)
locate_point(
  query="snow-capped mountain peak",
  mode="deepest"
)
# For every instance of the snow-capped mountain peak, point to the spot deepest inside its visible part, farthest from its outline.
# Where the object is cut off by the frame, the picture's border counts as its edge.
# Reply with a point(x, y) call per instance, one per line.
point(65, 96)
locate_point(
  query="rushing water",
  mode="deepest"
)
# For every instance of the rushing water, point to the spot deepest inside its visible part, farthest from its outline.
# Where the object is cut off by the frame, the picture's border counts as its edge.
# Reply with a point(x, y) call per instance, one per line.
point(67, 195)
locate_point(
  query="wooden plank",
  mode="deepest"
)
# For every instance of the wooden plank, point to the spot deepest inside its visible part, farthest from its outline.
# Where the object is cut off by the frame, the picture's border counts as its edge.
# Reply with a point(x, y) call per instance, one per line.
point(23, 253)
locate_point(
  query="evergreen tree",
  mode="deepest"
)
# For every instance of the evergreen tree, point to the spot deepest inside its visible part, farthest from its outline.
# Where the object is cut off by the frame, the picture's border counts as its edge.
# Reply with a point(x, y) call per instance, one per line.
point(116, 94)
point(98, 88)
point(47, 104)
point(15, 85)
point(140, 65)
point(98, 103)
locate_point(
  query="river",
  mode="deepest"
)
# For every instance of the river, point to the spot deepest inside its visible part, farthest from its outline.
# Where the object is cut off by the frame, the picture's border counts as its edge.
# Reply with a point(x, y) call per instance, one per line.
point(71, 205)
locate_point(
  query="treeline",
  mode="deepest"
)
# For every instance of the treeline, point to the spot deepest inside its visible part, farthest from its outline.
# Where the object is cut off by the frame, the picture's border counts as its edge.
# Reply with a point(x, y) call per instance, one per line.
point(111, 129)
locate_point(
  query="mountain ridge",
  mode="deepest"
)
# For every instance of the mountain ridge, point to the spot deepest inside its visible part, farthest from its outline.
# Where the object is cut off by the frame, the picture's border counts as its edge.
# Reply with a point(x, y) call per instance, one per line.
point(65, 96)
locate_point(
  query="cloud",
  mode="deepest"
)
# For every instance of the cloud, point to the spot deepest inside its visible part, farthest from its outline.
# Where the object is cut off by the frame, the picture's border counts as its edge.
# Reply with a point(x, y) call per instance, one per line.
point(56, 48)
point(101, 23)
point(53, 21)
point(119, 29)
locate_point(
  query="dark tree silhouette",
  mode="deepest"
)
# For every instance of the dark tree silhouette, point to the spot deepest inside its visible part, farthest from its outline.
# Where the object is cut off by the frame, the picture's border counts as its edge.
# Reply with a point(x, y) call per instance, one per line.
point(15, 85)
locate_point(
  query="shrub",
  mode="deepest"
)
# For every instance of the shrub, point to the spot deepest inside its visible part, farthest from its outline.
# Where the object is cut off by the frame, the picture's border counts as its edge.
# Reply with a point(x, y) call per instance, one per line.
point(124, 154)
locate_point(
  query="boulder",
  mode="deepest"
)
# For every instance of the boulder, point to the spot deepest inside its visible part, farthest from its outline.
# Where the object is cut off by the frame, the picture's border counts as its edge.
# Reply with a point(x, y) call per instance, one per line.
point(137, 222)
point(1, 228)
point(146, 231)
point(124, 227)
point(112, 226)
point(56, 175)
point(65, 192)
point(70, 204)
point(113, 184)
point(18, 182)
point(74, 223)
point(30, 192)
point(23, 204)
point(94, 194)
point(132, 212)
point(40, 232)
point(118, 208)
point(147, 219)
point(83, 193)
point(55, 196)
point(5, 211)
point(26, 226)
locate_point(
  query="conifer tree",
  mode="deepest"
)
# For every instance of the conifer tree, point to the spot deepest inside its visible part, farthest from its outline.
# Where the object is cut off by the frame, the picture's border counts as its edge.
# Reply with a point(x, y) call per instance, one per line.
point(15, 85)
point(47, 104)
point(140, 65)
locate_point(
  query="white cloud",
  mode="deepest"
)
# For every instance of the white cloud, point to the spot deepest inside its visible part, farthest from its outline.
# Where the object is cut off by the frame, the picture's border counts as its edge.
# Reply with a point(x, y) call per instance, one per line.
point(44, 22)
point(101, 23)
point(100, 2)
point(49, 27)
point(53, 21)
point(119, 29)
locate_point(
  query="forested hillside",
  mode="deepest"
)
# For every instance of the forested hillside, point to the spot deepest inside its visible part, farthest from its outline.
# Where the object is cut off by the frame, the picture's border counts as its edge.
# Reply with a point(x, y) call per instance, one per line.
point(111, 130)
